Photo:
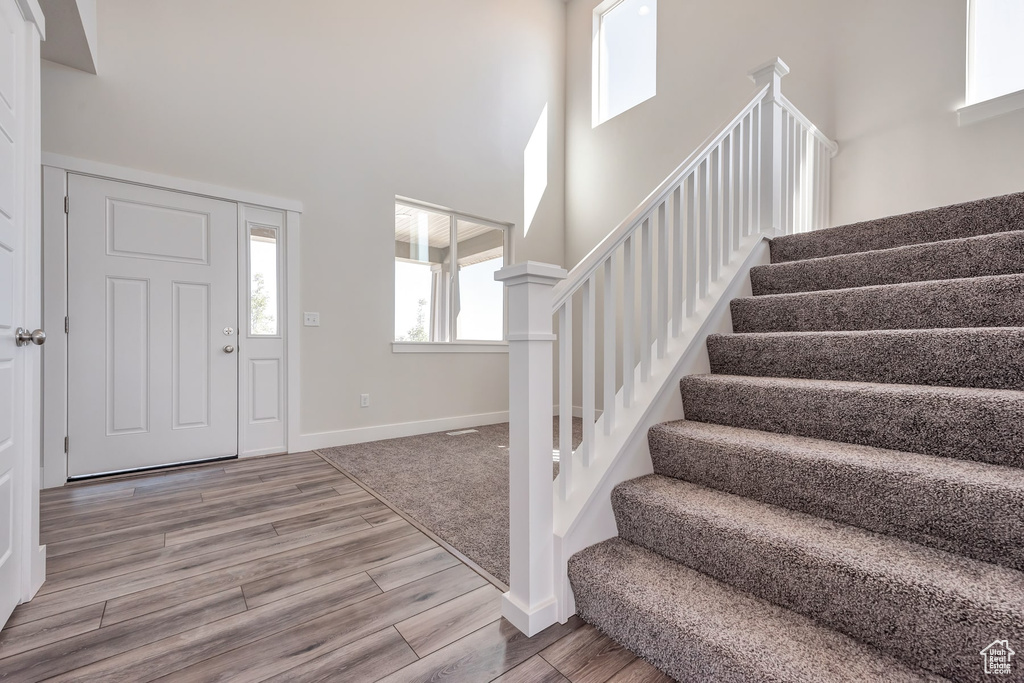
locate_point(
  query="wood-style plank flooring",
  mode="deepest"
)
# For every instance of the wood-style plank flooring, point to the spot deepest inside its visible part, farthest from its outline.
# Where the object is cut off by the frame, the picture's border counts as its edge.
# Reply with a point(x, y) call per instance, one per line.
point(271, 569)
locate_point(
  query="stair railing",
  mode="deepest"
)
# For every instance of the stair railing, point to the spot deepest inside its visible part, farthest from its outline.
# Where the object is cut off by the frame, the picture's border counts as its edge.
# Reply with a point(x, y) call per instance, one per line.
point(765, 173)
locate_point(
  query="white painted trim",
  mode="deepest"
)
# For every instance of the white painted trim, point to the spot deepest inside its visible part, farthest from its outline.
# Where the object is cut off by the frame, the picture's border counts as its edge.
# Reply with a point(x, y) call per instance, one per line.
point(293, 365)
point(345, 437)
point(55, 307)
point(530, 622)
point(449, 347)
point(990, 109)
point(33, 14)
point(166, 182)
point(55, 396)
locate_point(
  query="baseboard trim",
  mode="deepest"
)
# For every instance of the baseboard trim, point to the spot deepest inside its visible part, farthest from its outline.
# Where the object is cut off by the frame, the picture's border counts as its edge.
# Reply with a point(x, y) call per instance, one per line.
point(345, 437)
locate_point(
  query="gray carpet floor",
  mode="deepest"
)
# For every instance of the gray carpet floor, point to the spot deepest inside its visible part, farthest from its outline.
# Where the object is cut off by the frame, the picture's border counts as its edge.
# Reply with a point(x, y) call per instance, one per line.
point(456, 486)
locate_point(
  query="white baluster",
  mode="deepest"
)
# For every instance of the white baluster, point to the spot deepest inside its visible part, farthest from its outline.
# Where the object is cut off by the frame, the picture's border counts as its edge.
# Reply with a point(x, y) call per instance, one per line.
point(787, 169)
point(628, 318)
point(589, 339)
point(678, 304)
point(691, 242)
point(821, 160)
point(725, 179)
point(742, 166)
point(806, 183)
point(703, 253)
point(609, 345)
point(663, 250)
point(755, 170)
point(827, 194)
point(646, 274)
point(794, 175)
point(715, 225)
point(565, 457)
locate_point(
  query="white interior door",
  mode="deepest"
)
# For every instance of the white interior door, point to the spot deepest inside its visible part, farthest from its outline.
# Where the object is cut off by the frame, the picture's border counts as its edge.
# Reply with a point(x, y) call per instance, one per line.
point(152, 307)
point(19, 260)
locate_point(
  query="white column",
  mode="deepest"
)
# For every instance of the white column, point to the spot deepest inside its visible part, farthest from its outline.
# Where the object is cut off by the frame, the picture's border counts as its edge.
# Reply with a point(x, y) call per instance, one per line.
point(530, 603)
point(769, 219)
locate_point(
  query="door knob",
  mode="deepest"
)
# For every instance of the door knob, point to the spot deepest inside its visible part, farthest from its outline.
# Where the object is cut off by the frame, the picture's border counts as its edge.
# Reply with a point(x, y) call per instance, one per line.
point(229, 349)
point(23, 337)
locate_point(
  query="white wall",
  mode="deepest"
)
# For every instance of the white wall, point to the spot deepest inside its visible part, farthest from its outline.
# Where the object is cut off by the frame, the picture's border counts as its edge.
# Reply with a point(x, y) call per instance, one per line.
point(342, 105)
point(883, 78)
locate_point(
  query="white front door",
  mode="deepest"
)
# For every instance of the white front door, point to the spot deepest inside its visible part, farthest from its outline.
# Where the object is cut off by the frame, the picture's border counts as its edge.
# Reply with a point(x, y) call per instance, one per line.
point(152, 307)
point(19, 210)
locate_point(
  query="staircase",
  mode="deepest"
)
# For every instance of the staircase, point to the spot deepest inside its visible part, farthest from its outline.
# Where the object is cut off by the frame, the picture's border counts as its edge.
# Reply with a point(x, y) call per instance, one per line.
point(845, 498)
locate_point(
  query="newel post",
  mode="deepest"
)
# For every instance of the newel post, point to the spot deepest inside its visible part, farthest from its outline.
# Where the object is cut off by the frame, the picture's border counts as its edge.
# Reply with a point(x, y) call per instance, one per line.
point(769, 218)
point(530, 603)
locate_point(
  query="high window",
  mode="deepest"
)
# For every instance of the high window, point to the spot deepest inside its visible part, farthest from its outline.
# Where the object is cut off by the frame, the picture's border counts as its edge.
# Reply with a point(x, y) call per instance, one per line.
point(444, 276)
point(625, 56)
point(995, 59)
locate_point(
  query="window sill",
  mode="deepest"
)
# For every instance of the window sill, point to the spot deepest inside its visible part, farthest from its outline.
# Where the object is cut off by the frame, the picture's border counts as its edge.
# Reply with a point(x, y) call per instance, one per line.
point(449, 347)
point(989, 109)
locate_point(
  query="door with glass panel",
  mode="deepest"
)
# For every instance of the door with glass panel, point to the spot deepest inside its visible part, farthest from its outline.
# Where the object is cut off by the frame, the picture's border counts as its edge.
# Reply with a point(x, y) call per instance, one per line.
point(153, 329)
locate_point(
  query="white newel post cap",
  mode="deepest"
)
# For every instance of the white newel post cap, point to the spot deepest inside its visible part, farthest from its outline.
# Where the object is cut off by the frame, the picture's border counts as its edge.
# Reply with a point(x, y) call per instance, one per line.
point(531, 272)
point(769, 72)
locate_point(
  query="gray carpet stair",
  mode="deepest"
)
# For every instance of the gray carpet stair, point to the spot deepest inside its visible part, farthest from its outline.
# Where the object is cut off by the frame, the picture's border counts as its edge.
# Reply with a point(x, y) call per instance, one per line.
point(698, 629)
point(913, 602)
point(986, 425)
point(849, 477)
point(939, 502)
point(982, 217)
point(991, 301)
point(989, 358)
point(998, 254)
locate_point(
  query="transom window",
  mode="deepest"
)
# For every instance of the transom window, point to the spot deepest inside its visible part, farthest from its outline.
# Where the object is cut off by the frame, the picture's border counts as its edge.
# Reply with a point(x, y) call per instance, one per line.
point(444, 276)
point(625, 56)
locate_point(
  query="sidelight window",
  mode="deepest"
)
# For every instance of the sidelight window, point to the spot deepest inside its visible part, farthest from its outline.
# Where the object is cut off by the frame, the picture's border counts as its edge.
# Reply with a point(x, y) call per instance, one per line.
point(263, 299)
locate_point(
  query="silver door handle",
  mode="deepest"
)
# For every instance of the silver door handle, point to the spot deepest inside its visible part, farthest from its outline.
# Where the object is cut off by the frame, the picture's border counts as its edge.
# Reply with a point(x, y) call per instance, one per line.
point(229, 349)
point(23, 337)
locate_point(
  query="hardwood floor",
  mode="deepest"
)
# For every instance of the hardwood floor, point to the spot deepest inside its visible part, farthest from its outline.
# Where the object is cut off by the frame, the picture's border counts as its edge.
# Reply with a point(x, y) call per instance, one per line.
point(271, 569)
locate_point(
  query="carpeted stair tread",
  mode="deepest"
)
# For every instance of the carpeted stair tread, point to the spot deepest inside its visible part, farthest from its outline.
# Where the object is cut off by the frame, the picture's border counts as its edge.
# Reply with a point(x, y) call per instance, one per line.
point(991, 357)
point(997, 254)
point(944, 503)
point(926, 606)
point(991, 301)
point(698, 629)
point(986, 425)
point(981, 217)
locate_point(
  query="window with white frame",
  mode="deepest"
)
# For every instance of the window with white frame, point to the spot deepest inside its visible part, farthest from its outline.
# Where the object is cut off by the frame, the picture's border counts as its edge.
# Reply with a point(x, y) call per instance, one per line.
point(263, 304)
point(444, 276)
point(625, 56)
point(995, 49)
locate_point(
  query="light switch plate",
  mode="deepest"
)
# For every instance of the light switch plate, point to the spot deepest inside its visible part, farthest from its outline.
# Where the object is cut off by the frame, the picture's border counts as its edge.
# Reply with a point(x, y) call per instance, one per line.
point(311, 319)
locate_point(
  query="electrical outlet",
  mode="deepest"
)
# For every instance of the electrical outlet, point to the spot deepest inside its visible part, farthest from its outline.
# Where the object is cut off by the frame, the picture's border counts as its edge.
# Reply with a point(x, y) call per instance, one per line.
point(311, 319)
point(364, 400)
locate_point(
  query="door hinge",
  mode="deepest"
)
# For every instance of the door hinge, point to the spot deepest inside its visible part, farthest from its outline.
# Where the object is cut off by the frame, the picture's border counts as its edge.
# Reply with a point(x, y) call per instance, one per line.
point(67, 327)
point(66, 203)
point(65, 444)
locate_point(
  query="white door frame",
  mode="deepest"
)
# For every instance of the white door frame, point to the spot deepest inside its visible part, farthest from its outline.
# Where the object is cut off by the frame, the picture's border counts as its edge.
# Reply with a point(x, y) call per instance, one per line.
point(55, 284)
point(32, 555)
